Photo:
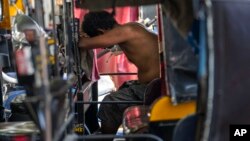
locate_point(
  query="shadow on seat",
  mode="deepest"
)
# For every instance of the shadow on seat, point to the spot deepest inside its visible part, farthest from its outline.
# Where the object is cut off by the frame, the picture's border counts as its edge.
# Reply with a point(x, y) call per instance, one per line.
point(153, 91)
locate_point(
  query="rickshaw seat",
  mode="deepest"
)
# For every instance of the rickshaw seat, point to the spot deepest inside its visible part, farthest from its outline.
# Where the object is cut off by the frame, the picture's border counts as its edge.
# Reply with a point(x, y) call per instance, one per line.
point(153, 91)
point(185, 129)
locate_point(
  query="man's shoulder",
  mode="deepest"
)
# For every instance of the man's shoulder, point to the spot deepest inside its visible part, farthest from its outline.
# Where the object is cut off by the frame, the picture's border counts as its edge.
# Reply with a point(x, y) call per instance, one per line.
point(134, 24)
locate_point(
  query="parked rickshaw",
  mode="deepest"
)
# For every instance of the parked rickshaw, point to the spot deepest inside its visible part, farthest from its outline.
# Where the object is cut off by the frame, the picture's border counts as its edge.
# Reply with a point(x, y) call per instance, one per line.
point(201, 94)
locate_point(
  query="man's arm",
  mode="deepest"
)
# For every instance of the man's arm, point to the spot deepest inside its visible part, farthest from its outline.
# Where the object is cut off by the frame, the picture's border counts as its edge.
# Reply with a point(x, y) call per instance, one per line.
point(109, 38)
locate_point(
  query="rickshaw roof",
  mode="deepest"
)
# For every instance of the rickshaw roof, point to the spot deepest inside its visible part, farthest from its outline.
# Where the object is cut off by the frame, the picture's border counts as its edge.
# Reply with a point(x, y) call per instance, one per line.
point(102, 4)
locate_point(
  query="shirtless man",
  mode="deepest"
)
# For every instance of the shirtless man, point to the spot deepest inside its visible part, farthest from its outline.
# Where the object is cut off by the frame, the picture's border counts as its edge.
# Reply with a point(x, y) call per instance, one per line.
point(140, 47)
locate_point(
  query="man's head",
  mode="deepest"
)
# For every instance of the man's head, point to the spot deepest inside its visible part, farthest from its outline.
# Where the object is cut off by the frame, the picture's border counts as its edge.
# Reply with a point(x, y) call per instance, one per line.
point(95, 22)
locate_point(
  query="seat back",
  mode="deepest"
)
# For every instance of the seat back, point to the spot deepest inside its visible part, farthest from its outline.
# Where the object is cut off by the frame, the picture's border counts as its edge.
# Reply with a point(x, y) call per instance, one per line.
point(185, 129)
point(153, 91)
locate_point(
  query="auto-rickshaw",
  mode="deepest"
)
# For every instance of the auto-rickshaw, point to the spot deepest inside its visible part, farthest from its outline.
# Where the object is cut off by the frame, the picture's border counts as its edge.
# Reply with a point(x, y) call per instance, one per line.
point(201, 95)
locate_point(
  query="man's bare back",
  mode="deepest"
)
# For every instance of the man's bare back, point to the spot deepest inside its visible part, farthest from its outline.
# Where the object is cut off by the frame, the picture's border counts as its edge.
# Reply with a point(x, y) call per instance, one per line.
point(143, 52)
point(139, 45)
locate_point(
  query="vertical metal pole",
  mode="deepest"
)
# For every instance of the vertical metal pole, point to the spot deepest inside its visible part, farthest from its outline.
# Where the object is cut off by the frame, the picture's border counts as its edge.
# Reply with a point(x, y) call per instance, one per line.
point(71, 45)
point(67, 39)
point(39, 12)
point(68, 54)
point(95, 94)
point(80, 97)
point(1, 96)
point(211, 64)
point(54, 36)
point(46, 92)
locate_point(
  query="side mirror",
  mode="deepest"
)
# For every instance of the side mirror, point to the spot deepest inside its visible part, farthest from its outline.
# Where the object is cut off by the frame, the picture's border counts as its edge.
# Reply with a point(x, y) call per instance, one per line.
point(21, 23)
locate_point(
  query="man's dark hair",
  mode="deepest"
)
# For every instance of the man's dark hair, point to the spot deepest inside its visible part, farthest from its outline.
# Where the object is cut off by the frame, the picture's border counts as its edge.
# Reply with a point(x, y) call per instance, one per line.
point(97, 20)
